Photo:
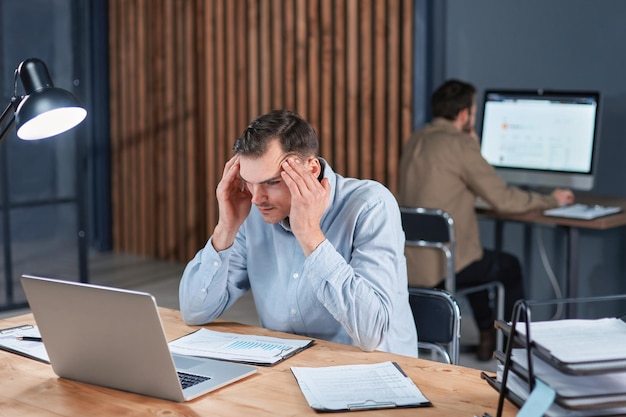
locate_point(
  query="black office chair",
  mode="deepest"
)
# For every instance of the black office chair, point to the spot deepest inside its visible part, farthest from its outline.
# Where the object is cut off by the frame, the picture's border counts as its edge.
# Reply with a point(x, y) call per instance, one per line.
point(438, 321)
point(434, 228)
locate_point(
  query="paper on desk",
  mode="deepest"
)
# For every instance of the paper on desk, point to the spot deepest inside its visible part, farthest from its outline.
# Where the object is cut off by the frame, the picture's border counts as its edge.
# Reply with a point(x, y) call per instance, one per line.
point(358, 387)
point(260, 350)
point(34, 350)
point(578, 340)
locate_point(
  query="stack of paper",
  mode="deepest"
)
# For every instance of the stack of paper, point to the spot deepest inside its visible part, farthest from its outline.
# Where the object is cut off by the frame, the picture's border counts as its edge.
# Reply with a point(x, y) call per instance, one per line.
point(582, 361)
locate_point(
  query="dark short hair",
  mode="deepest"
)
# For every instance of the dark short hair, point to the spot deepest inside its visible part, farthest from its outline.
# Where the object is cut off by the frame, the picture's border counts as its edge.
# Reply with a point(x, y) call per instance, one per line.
point(452, 97)
point(295, 134)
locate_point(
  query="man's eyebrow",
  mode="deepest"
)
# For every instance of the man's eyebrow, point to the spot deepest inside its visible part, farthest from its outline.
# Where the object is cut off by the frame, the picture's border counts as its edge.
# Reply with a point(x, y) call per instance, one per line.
point(277, 177)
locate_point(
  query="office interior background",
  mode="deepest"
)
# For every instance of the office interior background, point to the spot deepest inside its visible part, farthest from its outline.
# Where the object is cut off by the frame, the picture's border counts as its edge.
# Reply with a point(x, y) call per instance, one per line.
point(170, 84)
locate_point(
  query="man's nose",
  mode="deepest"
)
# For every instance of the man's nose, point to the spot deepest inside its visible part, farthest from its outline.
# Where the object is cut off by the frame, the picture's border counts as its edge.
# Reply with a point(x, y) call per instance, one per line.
point(257, 192)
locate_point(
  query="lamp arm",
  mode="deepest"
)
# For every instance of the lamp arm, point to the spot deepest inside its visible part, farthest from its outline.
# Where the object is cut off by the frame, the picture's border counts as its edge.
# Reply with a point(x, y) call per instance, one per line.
point(9, 110)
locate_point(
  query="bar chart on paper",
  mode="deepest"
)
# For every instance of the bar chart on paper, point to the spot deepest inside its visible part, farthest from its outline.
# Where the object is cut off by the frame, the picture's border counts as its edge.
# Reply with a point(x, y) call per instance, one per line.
point(258, 347)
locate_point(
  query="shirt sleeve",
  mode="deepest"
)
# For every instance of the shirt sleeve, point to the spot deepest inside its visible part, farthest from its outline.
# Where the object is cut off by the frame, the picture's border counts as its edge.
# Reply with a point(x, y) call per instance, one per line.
point(360, 293)
point(205, 290)
point(487, 184)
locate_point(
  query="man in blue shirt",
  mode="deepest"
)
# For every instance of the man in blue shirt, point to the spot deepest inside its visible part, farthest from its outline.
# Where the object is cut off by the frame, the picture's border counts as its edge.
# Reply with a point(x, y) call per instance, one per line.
point(322, 254)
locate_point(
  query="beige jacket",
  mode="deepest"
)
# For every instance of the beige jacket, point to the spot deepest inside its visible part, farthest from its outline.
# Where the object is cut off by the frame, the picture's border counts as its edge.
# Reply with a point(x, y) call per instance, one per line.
point(443, 168)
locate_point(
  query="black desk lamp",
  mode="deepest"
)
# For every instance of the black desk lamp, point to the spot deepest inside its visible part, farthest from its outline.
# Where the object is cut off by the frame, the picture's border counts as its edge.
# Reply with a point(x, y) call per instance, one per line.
point(44, 110)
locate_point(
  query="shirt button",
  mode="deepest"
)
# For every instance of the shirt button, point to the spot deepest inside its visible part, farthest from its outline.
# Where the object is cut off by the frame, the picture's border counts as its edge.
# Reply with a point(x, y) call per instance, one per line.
point(216, 264)
point(295, 275)
point(203, 290)
point(293, 312)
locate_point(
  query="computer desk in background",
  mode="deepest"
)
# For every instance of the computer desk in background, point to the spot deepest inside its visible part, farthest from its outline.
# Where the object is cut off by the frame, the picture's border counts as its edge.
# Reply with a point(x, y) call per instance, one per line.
point(30, 388)
point(572, 228)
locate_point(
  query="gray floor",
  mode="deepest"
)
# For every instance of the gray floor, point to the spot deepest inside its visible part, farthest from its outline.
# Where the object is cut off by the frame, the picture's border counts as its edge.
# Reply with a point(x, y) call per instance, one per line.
point(161, 279)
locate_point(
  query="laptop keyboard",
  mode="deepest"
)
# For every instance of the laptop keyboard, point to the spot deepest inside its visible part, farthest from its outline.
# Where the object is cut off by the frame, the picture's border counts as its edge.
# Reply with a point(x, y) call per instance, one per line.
point(189, 380)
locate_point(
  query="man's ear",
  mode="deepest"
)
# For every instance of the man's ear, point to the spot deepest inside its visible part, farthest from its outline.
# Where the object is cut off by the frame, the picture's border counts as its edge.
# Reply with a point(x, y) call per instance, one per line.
point(314, 165)
point(463, 115)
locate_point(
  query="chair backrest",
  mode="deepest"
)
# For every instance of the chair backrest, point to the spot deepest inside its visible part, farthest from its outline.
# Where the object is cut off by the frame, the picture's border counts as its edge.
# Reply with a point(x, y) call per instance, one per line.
point(431, 228)
point(438, 321)
point(434, 228)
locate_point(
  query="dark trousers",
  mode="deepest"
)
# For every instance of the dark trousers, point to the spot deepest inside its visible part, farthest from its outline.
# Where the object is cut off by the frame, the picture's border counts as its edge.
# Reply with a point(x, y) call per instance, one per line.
point(493, 266)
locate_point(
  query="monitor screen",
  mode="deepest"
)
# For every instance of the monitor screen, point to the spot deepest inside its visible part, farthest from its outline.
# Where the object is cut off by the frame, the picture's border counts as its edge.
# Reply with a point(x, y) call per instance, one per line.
point(541, 138)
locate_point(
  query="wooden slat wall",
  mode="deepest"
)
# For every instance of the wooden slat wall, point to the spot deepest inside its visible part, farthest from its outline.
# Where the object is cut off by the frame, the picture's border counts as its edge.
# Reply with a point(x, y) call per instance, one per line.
point(188, 75)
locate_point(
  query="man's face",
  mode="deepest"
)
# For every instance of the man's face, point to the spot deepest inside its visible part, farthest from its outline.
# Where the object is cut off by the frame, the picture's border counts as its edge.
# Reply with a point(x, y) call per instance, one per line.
point(261, 176)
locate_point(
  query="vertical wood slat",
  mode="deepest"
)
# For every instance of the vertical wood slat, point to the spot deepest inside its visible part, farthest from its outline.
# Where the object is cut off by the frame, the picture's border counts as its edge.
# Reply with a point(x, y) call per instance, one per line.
point(393, 111)
point(365, 45)
point(312, 53)
point(210, 126)
point(170, 108)
point(277, 65)
point(339, 73)
point(192, 175)
point(145, 184)
point(353, 75)
point(289, 59)
point(302, 67)
point(380, 102)
point(326, 84)
point(188, 75)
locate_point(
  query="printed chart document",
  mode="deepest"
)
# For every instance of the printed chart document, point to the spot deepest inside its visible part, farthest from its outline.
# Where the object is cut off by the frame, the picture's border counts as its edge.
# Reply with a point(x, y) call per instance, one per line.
point(358, 387)
point(251, 349)
point(11, 340)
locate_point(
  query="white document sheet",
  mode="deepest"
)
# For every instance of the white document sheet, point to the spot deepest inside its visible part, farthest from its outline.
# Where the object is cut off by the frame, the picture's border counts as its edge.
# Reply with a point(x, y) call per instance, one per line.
point(358, 387)
point(579, 340)
point(35, 350)
point(259, 350)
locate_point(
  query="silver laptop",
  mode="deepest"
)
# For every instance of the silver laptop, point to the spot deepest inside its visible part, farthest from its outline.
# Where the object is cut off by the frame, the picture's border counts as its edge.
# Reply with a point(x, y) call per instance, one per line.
point(114, 338)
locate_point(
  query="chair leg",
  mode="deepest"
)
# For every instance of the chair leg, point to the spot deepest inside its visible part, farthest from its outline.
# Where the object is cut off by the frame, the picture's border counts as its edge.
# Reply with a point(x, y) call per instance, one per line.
point(500, 314)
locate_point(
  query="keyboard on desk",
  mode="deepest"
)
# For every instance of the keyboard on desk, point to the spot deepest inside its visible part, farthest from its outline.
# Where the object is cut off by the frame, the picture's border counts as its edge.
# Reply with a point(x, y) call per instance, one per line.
point(582, 211)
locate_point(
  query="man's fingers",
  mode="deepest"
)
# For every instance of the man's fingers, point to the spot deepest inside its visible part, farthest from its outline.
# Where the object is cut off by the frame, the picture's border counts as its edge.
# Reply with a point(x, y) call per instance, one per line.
point(298, 174)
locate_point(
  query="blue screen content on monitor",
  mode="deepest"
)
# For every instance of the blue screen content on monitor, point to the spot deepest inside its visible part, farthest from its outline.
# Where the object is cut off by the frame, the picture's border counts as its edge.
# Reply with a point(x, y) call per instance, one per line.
point(541, 138)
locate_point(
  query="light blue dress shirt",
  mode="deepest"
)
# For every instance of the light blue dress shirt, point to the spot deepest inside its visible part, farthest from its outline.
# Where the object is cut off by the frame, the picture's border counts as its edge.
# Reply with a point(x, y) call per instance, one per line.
point(352, 289)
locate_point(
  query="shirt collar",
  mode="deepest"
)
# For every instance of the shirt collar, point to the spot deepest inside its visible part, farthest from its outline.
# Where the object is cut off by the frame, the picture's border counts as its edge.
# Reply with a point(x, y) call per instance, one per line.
point(445, 124)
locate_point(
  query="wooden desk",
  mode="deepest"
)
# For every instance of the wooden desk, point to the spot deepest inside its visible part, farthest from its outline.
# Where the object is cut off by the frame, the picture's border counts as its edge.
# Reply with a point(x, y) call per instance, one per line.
point(572, 228)
point(30, 388)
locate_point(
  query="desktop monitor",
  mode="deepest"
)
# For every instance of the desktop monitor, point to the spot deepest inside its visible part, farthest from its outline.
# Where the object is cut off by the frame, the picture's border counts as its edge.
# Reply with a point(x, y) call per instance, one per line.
point(539, 138)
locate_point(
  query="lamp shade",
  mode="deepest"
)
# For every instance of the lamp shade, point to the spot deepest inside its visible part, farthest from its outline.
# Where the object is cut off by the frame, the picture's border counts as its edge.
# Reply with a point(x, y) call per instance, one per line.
point(45, 110)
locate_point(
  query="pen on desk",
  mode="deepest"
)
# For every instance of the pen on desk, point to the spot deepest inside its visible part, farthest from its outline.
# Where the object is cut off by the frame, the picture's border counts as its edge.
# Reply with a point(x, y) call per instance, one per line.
point(29, 338)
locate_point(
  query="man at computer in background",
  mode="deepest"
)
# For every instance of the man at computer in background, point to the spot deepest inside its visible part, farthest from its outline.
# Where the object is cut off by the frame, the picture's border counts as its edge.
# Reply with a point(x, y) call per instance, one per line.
point(442, 167)
point(322, 254)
